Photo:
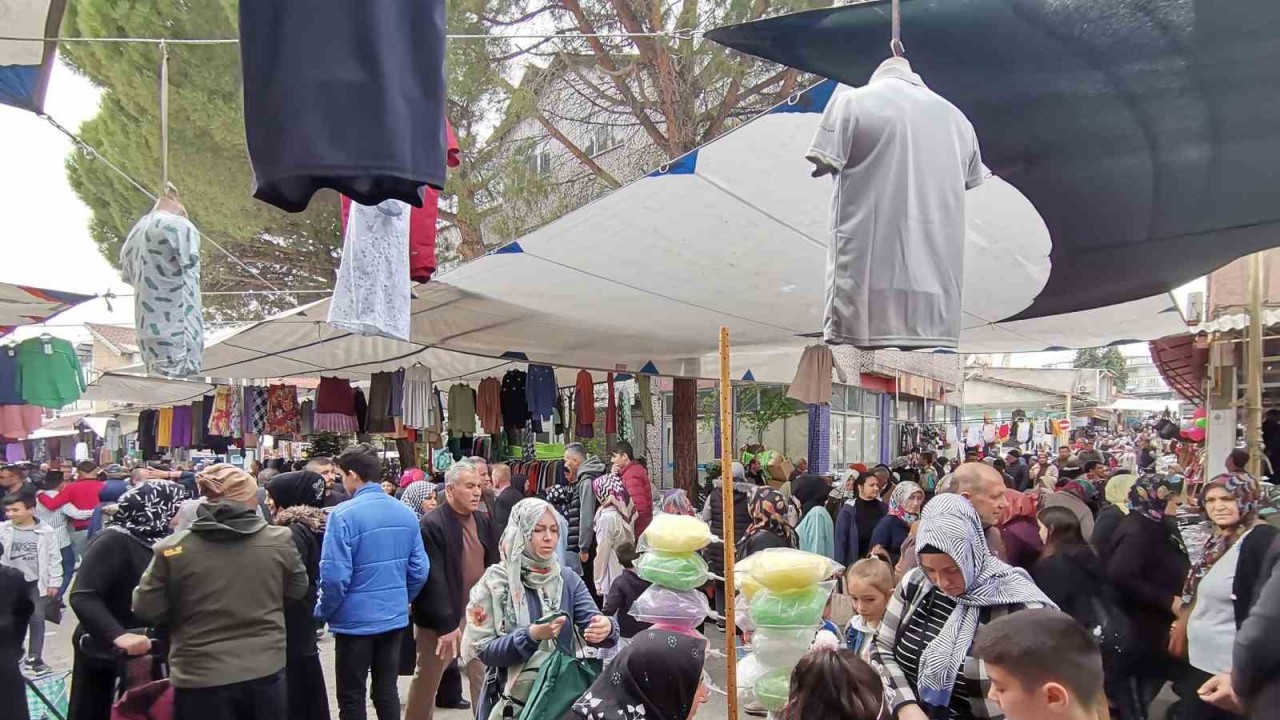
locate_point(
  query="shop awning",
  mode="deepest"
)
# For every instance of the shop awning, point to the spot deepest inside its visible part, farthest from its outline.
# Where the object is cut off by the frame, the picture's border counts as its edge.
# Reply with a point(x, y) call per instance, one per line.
point(1182, 364)
point(1146, 134)
point(1142, 405)
point(144, 391)
point(23, 305)
point(732, 234)
point(25, 65)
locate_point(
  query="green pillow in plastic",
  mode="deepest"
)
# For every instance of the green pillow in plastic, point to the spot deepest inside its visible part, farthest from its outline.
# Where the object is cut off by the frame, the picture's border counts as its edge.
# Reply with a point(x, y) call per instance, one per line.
point(676, 571)
point(773, 689)
point(794, 608)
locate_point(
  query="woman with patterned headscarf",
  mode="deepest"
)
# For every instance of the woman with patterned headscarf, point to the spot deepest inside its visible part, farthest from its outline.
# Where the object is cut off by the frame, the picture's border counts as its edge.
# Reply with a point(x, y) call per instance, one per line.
point(924, 647)
point(102, 597)
point(768, 528)
point(892, 530)
point(297, 499)
point(613, 527)
point(1147, 563)
point(1221, 586)
point(507, 618)
point(421, 498)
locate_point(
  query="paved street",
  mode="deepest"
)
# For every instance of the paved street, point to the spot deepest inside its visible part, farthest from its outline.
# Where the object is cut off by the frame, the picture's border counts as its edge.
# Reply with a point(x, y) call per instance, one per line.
point(58, 656)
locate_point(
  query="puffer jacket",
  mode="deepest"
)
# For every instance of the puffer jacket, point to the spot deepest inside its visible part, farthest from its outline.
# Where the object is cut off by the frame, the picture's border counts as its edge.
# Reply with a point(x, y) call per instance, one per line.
point(372, 564)
point(636, 480)
point(713, 514)
point(582, 506)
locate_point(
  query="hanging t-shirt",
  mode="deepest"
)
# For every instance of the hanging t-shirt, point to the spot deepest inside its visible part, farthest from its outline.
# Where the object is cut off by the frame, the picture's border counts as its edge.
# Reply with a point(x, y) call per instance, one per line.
point(161, 260)
point(903, 157)
point(371, 296)
point(50, 372)
point(345, 96)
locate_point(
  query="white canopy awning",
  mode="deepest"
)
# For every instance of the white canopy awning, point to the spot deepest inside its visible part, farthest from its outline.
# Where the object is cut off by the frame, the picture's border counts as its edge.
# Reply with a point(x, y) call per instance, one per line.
point(145, 391)
point(734, 234)
point(1142, 405)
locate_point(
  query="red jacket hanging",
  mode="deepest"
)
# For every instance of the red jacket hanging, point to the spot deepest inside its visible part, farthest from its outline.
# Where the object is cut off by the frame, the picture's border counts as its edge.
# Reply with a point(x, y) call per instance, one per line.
point(422, 221)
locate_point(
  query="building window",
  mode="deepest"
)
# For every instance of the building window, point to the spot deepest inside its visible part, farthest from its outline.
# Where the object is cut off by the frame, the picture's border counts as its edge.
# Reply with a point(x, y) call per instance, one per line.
point(540, 159)
point(600, 138)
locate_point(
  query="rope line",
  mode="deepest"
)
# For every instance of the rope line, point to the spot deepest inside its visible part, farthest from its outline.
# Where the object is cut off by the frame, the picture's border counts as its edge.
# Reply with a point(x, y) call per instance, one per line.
point(680, 34)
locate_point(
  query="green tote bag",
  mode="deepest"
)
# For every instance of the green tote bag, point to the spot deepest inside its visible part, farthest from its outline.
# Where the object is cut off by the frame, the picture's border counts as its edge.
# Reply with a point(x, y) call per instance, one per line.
point(562, 679)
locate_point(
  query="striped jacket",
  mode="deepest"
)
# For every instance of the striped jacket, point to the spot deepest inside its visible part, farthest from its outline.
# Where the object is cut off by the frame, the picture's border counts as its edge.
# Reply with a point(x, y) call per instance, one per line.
point(913, 589)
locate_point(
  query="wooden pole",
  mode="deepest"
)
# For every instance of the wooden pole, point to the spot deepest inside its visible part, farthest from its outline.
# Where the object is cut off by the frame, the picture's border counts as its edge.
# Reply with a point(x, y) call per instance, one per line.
point(726, 487)
point(1253, 369)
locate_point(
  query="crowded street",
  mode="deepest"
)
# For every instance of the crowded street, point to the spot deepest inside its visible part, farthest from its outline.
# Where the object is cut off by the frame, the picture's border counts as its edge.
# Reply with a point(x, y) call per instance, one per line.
point(613, 360)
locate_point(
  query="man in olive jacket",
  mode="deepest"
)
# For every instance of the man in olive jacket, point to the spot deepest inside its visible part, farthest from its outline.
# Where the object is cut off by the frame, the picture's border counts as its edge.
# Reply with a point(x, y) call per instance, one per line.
point(220, 587)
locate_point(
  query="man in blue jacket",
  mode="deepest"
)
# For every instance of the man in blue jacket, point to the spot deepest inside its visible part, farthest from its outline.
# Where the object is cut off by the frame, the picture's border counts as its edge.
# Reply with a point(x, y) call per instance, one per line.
point(372, 565)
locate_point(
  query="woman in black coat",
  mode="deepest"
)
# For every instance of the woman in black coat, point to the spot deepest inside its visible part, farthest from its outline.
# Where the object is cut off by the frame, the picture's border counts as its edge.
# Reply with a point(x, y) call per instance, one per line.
point(296, 501)
point(1148, 565)
point(102, 596)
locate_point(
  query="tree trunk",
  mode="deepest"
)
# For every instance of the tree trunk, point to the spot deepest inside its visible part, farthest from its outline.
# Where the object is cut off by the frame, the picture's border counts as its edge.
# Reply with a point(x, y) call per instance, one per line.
point(684, 435)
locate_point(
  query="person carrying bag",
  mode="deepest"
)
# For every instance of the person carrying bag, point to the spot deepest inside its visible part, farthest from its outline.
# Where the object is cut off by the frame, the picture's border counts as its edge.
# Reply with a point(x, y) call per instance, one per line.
point(560, 680)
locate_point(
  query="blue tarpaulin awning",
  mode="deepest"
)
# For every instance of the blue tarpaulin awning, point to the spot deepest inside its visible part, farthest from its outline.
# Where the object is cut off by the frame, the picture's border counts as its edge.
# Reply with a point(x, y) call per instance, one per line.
point(25, 65)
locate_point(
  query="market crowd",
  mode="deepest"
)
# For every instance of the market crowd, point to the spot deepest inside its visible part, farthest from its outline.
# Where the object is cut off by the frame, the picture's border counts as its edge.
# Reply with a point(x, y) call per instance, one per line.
point(1018, 587)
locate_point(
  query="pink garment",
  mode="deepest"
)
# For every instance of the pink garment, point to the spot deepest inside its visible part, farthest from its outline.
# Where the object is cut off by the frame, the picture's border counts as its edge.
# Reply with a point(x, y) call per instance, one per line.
point(19, 421)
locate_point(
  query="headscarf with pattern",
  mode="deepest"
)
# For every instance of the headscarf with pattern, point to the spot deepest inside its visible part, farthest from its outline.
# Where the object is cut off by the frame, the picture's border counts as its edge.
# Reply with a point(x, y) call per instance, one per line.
point(898, 501)
point(950, 524)
point(416, 494)
point(517, 562)
point(144, 511)
point(611, 491)
point(657, 677)
point(1150, 494)
point(1247, 493)
point(675, 502)
point(560, 497)
point(768, 511)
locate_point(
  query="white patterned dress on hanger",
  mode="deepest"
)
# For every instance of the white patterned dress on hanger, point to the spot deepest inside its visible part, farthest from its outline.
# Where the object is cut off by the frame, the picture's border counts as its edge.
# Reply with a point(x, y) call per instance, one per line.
point(372, 293)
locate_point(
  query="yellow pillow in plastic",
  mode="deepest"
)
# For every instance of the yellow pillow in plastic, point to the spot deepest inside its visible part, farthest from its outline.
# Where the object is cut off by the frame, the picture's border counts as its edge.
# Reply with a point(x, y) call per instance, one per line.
point(783, 569)
point(677, 534)
point(749, 586)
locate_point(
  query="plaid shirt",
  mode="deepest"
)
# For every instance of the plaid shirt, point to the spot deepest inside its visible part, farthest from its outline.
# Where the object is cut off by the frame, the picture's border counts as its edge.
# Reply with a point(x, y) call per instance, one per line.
point(915, 586)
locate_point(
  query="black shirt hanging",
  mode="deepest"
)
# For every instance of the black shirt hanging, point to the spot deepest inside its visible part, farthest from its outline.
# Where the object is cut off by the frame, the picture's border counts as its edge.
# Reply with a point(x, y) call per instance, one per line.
point(344, 95)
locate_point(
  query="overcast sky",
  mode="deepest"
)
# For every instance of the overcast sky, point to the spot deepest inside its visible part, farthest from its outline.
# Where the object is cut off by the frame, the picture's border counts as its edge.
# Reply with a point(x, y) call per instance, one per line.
point(46, 229)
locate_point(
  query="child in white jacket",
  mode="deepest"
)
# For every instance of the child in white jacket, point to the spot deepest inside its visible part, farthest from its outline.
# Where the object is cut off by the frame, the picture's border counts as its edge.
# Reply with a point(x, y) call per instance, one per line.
point(31, 547)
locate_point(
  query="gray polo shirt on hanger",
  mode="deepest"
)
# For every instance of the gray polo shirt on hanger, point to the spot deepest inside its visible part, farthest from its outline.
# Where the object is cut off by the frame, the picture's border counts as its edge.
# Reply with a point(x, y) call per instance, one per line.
point(902, 157)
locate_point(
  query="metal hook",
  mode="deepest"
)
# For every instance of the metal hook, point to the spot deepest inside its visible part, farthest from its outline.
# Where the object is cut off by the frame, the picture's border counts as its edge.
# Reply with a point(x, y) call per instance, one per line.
point(895, 44)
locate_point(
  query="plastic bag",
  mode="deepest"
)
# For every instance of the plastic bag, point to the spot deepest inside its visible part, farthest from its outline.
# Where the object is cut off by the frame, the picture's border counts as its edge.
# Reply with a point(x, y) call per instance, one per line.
point(795, 608)
point(778, 647)
point(773, 688)
point(676, 534)
point(669, 609)
point(677, 571)
point(782, 569)
point(749, 671)
point(742, 614)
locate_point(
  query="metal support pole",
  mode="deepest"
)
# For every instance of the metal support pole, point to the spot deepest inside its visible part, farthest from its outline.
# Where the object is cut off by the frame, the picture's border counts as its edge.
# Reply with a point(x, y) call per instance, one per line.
point(1253, 368)
point(726, 485)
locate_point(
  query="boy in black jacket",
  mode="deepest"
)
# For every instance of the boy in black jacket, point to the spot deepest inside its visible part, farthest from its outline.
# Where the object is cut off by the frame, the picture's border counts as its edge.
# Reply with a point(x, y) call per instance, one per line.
point(15, 612)
point(623, 593)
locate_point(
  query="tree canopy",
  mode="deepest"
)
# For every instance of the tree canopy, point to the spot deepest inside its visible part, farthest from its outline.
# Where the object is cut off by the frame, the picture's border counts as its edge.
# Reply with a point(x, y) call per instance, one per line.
point(678, 91)
point(1106, 358)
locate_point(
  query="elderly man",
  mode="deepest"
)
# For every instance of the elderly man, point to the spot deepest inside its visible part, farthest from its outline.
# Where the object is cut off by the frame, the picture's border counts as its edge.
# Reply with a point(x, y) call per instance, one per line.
point(485, 473)
point(460, 544)
point(510, 491)
point(581, 470)
point(983, 486)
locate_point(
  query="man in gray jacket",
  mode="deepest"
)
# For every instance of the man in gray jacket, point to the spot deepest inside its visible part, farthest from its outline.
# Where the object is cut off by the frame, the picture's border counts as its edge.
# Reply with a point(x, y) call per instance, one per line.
point(581, 469)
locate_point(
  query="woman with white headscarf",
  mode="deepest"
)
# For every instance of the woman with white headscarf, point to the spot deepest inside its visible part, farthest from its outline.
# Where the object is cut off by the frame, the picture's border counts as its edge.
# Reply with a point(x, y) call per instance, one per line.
point(529, 584)
point(925, 643)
